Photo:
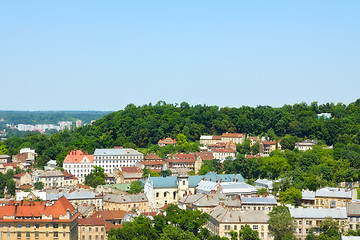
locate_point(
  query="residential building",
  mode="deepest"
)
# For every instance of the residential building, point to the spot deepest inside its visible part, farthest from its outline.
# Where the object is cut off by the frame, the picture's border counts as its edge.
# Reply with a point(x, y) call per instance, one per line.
point(333, 197)
point(253, 140)
point(51, 165)
point(128, 174)
point(306, 145)
point(205, 140)
point(5, 158)
point(49, 178)
point(258, 203)
point(92, 228)
point(324, 115)
point(39, 220)
point(167, 141)
point(226, 188)
point(23, 178)
point(311, 218)
point(169, 189)
point(25, 154)
point(109, 159)
point(69, 179)
point(264, 183)
point(353, 213)
point(222, 154)
point(4, 167)
point(33, 195)
point(115, 217)
point(266, 147)
point(152, 162)
point(237, 138)
point(131, 202)
point(79, 164)
point(223, 220)
point(78, 198)
point(201, 202)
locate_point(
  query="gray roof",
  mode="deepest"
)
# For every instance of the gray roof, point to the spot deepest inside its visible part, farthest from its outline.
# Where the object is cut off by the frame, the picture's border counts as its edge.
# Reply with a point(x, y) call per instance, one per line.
point(308, 195)
point(333, 192)
point(318, 213)
point(116, 152)
point(224, 215)
point(350, 237)
point(237, 187)
point(70, 196)
point(259, 200)
point(132, 175)
point(141, 197)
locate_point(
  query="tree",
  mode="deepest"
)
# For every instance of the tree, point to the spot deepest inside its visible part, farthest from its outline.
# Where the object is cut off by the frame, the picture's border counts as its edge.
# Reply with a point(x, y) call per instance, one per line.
point(39, 185)
point(330, 229)
point(174, 233)
point(261, 191)
point(311, 235)
point(291, 196)
point(136, 187)
point(281, 223)
point(10, 185)
point(246, 233)
point(96, 177)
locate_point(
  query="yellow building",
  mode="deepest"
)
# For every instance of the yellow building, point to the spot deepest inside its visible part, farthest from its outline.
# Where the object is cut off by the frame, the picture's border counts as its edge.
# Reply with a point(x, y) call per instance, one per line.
point(92, 228)
point(133, 202)
point(333, 197)
point(39, 220)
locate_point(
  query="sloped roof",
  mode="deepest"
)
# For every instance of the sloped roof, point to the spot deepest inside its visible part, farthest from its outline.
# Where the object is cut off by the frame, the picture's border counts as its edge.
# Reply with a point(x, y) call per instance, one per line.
point(91, 221)
point(152, 156)
point(110, 215)
point(141, 197)
point(232, 135)
point(333, 192)
point(130, 170)
point(228, 150)
point(318, 213)
point(187, 160)
point(116, 152)
point(259, 200)
point(223, 215)
point(167, 141)
point(205, 155)
point(184, 156)
point(59, 208)
point(76, 156)
point(19, 175)
point(353, 208)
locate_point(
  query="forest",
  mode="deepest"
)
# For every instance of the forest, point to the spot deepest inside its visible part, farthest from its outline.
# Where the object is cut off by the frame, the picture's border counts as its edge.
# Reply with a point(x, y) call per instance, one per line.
point(142, 126)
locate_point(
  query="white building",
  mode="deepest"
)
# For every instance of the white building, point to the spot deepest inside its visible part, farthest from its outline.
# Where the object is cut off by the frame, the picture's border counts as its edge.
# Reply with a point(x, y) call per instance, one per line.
point(109, 159)
point(79, 164)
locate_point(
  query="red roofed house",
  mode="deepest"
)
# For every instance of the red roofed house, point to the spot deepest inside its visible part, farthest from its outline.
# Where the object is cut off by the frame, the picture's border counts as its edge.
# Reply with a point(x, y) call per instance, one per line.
point(206, 140)
point(167, 141)
point(182, 160)
point(92, 228)
point(152, 162)
point(253, 140)
point(223, 153)
point(78, 164)
point(4, 167)
point(23, 178)
point(5, 158)
point(38, 220)
point(128, 174)
point(237, 138)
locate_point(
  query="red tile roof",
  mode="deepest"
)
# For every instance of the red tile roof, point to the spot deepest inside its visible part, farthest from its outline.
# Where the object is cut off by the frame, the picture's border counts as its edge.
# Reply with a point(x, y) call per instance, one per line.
point(76, 156)
point(109, 215)
point(59, 208)
point(167, 141)
point(232, 135)
point(91, 221)
point(192, 160)
point(152, 156)
point(110, 226)
point(223, 150)
point(205, 155)
point(183, 156)
point(216, 138)
point(19, 175)
point(7, 211)
point(130, 170)
point(268, 142)
point(152, 214)
point(146, 163)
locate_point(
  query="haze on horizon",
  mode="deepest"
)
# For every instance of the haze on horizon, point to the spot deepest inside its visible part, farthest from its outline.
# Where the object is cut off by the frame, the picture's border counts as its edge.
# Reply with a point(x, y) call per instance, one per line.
point(81, 55)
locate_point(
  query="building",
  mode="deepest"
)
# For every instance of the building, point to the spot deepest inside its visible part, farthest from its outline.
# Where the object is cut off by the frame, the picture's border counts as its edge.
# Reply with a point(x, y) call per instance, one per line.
point(167, 141)
point(51, 165)
point(201, 202)
point(114, 217)
point(23, 178)
point(306, 145)
point(169, 189)
point(324, 115)
point(334, 197)
point(266, 147)
point(78, 123)
point(77, 198)
point(152, 162)
point(226, 188)
point(5, 158)
point(109, 159)
point(131, 202)
point(253, 140)
point(24, 155)
point(79, 164)
point(307, 218)
point(264, 183)
point(223, 153)
point(205, 140)
point(237, 138)
point(4, 167)
point(92, 228)
point(353, 213)
point(128, 174)
point(223, 220)
point(69, 179)
point(50, 179)
point(258, 203)
point(39, 220)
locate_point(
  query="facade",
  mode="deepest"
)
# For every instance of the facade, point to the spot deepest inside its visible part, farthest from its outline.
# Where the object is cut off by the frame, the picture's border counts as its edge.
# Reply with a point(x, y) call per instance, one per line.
point(253, 140)
point(78, 198)
point(38, 220)
point(92, 228)
point(328, 197)
point(205, 140)
point(4, 167)
point(307, 218)
point(222, 154)
point(353, 213)
point(167, 141)
point(264, 183)
point(5, 158)
point(49, 178)
point(223, 220)
point(79, 164)
point(23, 178)
point(132, 202)
point(109, 159)
point(237, 138)
point(306, 145)
point(51, 165)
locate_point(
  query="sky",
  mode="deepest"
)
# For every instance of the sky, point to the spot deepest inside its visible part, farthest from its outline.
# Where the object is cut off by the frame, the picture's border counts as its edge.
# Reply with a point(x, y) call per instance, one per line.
point(103, 55)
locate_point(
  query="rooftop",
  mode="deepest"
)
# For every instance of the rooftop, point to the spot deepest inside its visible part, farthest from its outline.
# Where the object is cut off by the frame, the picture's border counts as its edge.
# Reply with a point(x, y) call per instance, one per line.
point(116, 152)
point(318, 213)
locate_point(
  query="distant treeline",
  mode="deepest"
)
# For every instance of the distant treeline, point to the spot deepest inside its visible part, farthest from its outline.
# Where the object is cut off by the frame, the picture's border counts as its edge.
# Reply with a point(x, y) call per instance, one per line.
point(143, 126)
point(49, 117)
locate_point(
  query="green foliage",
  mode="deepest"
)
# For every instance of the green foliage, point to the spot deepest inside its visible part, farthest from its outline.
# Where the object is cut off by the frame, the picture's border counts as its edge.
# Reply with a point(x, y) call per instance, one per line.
point(281, 224)
point(3, 149)
point(96, 177)
point(311, 235)
point(261, 191)
point(244, 148)
point(39, 185)
point(291, 196)
point(10, 185)
point(246, 233)
point(136, 187)
point(330, 229)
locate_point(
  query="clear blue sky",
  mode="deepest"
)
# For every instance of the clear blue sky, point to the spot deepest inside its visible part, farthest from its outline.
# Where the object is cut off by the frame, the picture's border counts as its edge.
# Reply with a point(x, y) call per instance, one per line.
point(102, 55)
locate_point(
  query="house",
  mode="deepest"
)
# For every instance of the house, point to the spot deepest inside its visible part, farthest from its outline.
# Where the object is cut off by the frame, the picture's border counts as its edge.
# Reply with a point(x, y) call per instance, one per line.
point(33, 195)
point(152, 162)
point(324, 115)
point(110, 159)
point(334, 197)
point(253, 140)
point(25, 154)
point(201, 202)
point(167, 141)
point(69, 179)
point(39, 220)
point(266, 147)
point(169, 189)
point(51, 165)
point(237, 138)
point(128, 174)
point(264, 183)
point(258, 203)
point(131, 202)
point(78, 197)
point(115, 217)
point(49, 178)
point(79, 164)
point(5, 158)
point(92, 228)
point(353, 213)
point(189, 161)
point(223, 220)
point(206, 140)
point(306, 145)
point(4, 167)
point(222, 154)
point(23, 178)
point(226, 188)
point(311, 218)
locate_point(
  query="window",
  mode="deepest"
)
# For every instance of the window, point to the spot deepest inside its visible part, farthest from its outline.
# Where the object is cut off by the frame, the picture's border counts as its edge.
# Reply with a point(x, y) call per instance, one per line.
point(83, 229)
point(8, 225)
point(27, 225)
point(56, 226)
point(36, 234)
point(18, 234)
point(299, 230)
point(8, 235)
point(64, 225)
point(47, 225)
point(255, 227)
point(299, 222)
point(235, 227)
point(27, 234)
point(56, 234)
point(89, 229)
point(83, 237)
point(19, 226)
point(36, 225)
point(96, 229)
point(89, 237)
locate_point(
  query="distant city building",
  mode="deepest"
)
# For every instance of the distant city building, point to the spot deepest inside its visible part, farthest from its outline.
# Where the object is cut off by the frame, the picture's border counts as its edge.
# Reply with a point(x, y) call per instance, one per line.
point(51, 165)
point(167, 141)
point(131, 202)
point(110, 159)
point(5, 158)
point(324, 115)
point(306, 145)
point(49, 178)
point(78, 123)
point(237, 138)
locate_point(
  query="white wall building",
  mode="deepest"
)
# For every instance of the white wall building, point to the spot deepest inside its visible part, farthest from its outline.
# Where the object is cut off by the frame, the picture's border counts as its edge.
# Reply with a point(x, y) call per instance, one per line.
point(78, 164)
point(109, 159)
